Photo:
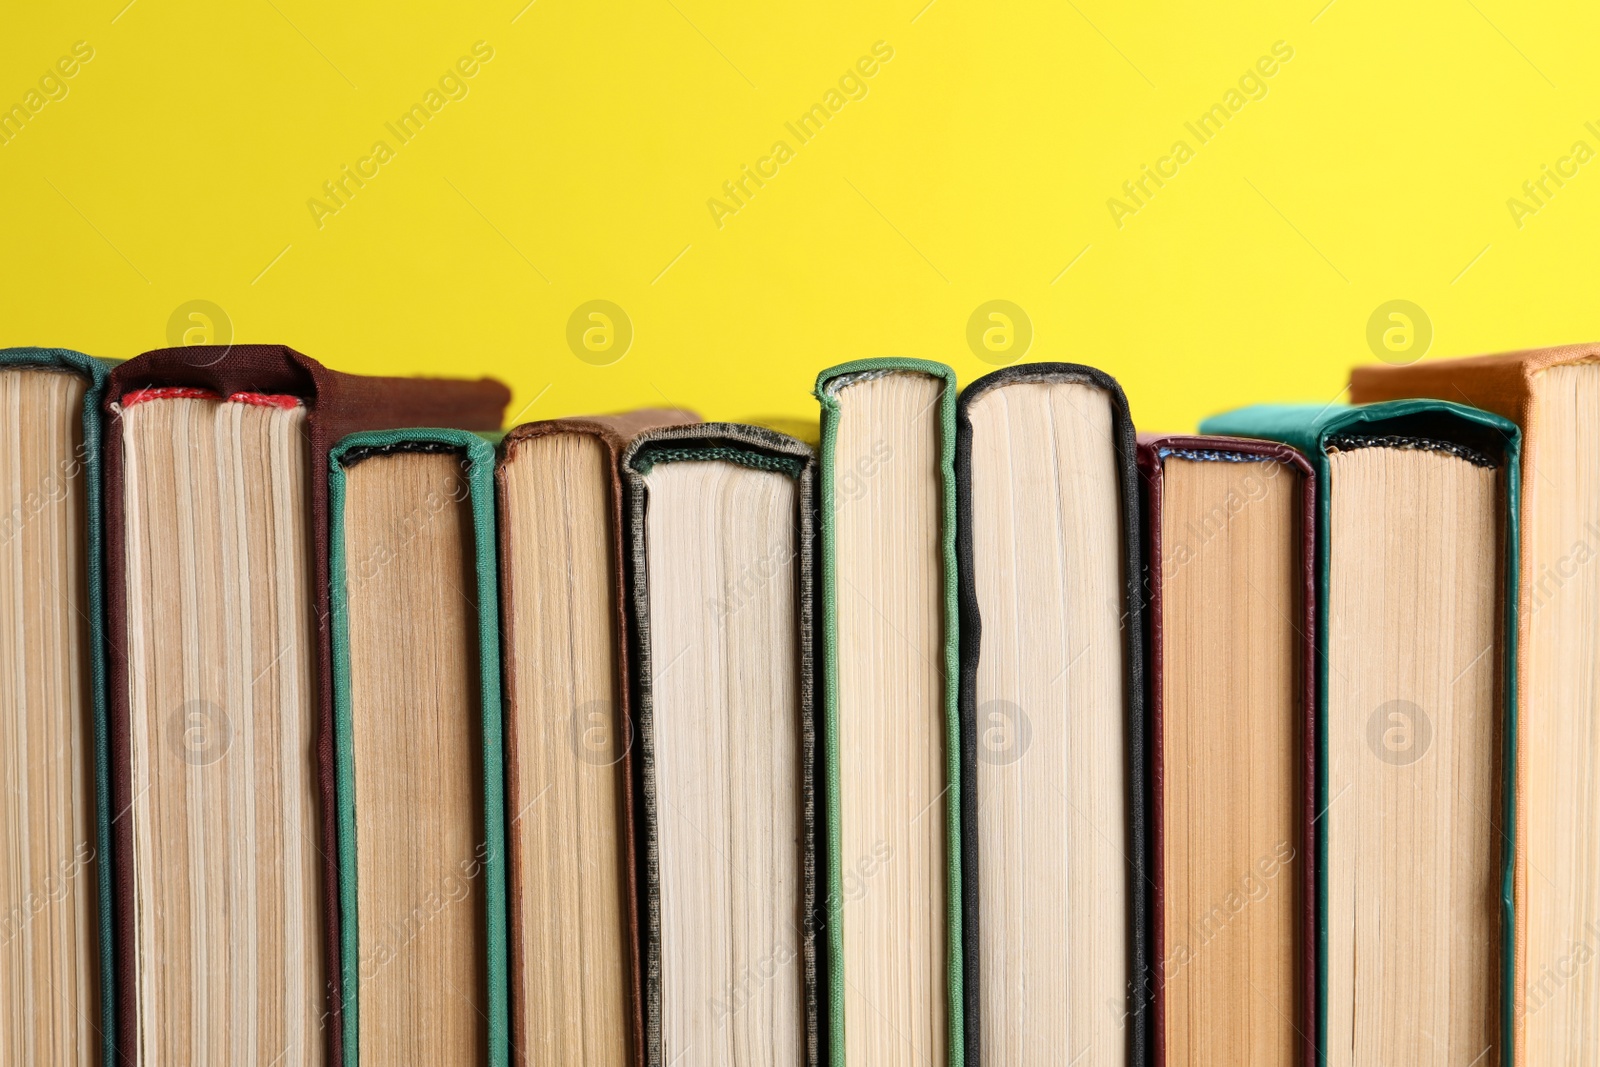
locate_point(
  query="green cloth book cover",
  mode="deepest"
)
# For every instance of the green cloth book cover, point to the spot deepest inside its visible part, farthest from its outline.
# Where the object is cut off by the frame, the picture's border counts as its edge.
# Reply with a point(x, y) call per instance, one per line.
point(477, 453)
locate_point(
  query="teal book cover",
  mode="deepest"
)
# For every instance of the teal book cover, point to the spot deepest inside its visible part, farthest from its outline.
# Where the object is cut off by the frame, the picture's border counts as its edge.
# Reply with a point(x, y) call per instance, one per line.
point(85, 465)
point(475, 471)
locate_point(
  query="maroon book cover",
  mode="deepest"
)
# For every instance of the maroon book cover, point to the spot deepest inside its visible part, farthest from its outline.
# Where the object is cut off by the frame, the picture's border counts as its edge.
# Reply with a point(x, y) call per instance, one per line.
point(614, 432)
point(336, 404)
point(1151, 456)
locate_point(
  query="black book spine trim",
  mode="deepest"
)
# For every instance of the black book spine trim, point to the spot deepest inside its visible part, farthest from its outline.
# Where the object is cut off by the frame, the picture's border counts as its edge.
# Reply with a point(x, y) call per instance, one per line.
point(1141, 982)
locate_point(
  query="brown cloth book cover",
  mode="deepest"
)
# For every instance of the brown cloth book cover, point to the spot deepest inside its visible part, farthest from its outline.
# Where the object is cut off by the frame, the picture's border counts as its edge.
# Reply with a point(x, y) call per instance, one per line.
point(615, 433)
point(1152, 452)
point(336, 404)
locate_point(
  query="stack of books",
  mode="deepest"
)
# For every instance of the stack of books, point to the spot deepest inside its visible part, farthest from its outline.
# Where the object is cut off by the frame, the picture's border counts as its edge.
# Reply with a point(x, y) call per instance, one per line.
point(340, 725)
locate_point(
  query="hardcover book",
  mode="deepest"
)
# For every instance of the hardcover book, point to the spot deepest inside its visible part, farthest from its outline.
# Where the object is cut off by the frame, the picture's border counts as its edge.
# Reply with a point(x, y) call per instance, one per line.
point(891, 743)
point(220, 691)
point(576, 992)
point(55, 973)
point(416, 673)
point(1553, 394)
point(1052, 719)
point(1231, 578)
point(721, 529)
point(1417, 821)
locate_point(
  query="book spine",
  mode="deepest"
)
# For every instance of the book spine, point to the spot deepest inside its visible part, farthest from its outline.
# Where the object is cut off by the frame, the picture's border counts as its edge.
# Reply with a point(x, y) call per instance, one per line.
point(479, 469)
point(956, 998)
point(767, 450)
point(1141, 980)
point(95, 371)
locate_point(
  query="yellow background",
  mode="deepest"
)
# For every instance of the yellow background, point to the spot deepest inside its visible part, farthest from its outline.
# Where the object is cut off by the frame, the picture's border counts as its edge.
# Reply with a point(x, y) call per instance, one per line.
point(978, 166)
